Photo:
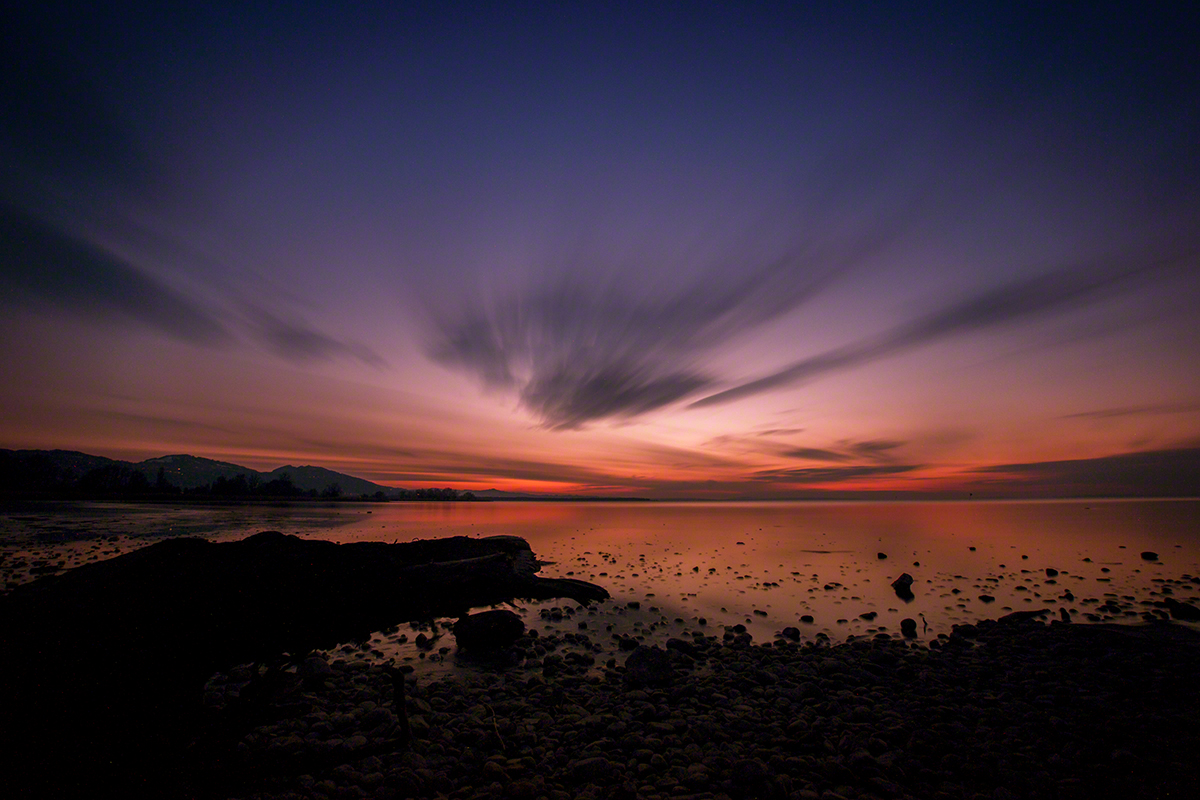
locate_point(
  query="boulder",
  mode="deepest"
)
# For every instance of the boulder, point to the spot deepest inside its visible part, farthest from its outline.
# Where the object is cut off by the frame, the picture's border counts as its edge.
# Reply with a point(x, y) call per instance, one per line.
point(683, 646)
point(903, 586)
point(489, 630)
point(908, 627)
point(1184, 611)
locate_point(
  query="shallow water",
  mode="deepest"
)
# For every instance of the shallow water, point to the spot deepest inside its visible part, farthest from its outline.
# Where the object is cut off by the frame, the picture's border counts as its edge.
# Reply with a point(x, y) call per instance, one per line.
point(762, 565)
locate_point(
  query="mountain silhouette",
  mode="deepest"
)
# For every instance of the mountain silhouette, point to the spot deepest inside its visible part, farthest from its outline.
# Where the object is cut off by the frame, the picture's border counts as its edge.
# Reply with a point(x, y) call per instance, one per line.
point(65, 470)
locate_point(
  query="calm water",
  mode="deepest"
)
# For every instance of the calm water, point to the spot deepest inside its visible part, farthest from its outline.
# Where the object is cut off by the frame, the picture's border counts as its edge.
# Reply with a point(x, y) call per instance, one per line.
point(763, 565)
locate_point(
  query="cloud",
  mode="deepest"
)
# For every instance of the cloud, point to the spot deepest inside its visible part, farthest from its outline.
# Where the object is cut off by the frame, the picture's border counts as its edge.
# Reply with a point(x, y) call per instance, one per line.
point(69, 152)
point(43, 264)
point(298, 342)
point(1152, 473)
point(871, 449)
point(458, 467)
point(575, 354)
point(817, 454)
point(875, 446)
point(832, 474)
point(1136, 411)
point(1015, 302)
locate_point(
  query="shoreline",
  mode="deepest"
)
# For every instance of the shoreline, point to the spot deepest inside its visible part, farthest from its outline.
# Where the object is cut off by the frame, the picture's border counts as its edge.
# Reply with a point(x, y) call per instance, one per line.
point(1001, 709)
point(1023, 709)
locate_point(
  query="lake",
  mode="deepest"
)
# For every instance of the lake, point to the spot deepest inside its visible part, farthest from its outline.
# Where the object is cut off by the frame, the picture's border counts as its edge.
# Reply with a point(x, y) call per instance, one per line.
point(762, 565)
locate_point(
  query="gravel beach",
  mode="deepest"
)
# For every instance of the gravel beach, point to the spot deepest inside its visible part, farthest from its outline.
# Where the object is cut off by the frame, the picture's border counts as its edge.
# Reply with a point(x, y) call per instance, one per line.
point(1012, 708)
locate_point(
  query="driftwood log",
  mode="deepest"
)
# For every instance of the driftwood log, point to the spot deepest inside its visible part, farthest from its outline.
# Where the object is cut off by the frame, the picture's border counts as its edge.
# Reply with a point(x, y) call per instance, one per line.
point(102, 668)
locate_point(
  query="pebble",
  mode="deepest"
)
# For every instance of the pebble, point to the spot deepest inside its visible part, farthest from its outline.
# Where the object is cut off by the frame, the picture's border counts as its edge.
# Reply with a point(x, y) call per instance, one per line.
point(1018, 704)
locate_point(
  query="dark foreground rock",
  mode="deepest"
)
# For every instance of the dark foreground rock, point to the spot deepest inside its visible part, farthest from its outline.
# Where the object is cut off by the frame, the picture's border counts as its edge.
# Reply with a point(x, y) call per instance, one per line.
point(488, 630)
point(104, 666)
point(1022, 710)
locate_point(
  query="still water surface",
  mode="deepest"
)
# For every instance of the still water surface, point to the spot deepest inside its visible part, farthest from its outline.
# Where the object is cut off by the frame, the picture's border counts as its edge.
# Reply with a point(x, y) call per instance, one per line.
point(762, 565)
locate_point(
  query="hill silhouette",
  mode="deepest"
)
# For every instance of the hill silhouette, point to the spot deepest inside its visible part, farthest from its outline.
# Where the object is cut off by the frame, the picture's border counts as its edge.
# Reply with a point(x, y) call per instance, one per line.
point(73, 472)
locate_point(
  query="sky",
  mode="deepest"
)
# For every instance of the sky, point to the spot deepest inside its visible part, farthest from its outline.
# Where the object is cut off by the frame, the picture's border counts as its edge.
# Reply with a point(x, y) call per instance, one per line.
point(666, 250)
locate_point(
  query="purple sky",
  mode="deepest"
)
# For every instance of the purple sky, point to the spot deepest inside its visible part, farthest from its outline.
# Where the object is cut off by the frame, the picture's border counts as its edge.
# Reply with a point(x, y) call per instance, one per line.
point(665, 250)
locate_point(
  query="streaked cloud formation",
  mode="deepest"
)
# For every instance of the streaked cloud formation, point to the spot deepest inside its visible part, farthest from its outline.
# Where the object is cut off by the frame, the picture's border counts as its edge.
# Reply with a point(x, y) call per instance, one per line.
point(42, 265)
point(74, 163)
point(576, 353)
point(1011, 304)
point(739, 251)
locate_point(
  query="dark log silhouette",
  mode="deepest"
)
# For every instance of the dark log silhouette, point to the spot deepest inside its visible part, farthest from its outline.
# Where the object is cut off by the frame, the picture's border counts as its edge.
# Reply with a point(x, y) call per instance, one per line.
point(103, 667)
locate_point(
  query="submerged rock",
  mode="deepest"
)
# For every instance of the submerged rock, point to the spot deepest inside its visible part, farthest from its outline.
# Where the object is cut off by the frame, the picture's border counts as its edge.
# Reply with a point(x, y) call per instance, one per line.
point(489, 630)
point(1184, 611)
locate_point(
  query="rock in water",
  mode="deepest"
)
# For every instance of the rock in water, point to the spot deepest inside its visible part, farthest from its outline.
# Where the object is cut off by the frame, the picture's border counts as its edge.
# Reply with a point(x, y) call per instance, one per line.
point(903, 586)
point(647, 666)
point(908, 627)
point(1184, 611)
point(488, 630)
point(1149, 555)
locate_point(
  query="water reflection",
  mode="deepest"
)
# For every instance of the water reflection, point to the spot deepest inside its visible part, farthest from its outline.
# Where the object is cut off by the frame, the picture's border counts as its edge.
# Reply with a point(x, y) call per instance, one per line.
point(671, 566)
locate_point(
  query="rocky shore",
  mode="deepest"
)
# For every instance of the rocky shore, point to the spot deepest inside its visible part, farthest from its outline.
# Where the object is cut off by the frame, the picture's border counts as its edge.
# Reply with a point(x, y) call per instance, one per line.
point(1013, 708)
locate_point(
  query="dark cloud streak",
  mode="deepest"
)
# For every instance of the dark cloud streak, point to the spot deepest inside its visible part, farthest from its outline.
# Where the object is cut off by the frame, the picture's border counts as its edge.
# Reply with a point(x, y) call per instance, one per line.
point(1153, 473)
point(577, 353)
point(832, 474)
point(1018, 301)
point(43, 264)
point(298, 342)
point(1136, 411)
point(817, 454)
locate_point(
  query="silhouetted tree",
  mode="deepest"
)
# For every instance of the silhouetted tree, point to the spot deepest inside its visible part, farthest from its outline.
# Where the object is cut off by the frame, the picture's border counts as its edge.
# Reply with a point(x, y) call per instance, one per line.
point(138, 482)
point(162, 485)
point(281, 487)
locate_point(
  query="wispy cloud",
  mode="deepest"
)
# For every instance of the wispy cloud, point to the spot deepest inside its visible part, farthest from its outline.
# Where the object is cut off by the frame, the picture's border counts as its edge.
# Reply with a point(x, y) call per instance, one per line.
point(70, 155)
point(1136, 411)
point(810, 475)
point(817, 454)
point(296, 341)
point(578, 349)
point(1009, 304)
point(575, 354)
point(42, 264)
point(874, 450)
point(1153, 473)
